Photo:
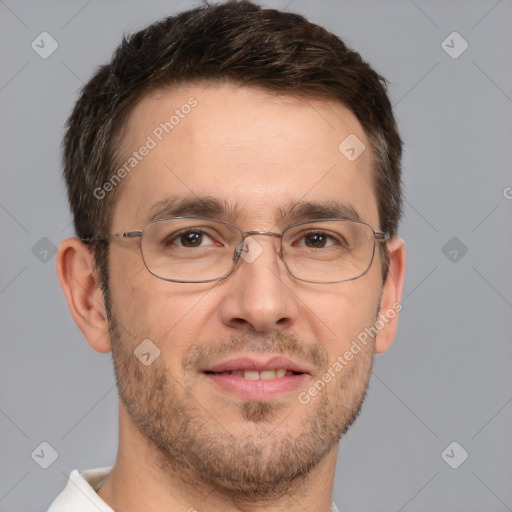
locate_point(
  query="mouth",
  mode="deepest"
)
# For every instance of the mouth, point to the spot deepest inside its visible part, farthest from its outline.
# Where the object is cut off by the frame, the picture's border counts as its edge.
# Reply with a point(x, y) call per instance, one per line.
point(258, 375)
point(257, 379)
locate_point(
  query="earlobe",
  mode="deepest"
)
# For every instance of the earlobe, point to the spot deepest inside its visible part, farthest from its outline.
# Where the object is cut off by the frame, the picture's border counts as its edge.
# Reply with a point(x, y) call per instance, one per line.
point(391, 296)
point(79, 282)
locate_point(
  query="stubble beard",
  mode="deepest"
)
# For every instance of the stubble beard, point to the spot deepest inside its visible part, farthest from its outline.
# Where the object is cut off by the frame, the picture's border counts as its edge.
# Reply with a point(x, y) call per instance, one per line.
point(195, 446)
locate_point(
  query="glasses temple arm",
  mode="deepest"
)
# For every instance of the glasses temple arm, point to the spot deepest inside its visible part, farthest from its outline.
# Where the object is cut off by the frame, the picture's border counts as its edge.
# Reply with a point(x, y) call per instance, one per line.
point(129, 234)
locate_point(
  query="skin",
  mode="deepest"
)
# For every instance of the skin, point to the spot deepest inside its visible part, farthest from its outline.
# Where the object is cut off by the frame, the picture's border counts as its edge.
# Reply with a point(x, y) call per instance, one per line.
point(183, 442)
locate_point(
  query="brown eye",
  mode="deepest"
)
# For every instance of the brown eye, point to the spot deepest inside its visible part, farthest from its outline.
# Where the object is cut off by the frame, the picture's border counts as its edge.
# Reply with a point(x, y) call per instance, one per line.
point(192, 239)
point(315, 240)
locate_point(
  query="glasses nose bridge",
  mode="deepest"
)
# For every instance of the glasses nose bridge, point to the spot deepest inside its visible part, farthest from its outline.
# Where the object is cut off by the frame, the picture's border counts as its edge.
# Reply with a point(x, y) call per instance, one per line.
point(247, 234)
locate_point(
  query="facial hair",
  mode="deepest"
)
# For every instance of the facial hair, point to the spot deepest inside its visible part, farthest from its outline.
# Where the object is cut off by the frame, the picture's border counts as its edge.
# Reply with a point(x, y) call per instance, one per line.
point(270, 460)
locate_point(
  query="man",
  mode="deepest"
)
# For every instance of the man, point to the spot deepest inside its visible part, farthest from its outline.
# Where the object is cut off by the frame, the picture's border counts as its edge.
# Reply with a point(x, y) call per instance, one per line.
point(234, 177)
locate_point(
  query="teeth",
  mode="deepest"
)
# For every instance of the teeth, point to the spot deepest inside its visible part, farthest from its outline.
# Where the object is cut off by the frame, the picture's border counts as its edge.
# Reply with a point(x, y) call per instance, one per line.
point(263, 375)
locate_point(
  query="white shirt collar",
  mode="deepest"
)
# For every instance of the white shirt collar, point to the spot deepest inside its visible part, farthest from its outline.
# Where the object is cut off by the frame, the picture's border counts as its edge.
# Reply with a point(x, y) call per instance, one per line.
point(80, 493)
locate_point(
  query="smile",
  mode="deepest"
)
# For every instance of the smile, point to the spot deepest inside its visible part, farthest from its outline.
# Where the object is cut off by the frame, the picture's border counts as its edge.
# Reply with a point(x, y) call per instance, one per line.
point(256, 375)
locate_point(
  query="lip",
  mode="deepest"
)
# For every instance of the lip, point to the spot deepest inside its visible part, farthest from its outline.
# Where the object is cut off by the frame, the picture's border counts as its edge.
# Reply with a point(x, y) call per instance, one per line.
point(257, 389)
point(258, 364)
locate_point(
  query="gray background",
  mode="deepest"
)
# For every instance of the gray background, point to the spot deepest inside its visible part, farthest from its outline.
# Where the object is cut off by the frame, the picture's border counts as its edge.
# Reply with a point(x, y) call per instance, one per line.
point(448, 375)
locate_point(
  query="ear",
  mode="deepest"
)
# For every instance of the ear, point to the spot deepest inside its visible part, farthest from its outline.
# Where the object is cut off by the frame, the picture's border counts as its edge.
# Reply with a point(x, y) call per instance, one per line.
point(390, 304)
point(79, 281)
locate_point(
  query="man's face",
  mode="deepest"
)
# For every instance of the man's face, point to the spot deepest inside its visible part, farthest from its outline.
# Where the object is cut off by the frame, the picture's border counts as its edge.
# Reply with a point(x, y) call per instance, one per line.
point(259, 155)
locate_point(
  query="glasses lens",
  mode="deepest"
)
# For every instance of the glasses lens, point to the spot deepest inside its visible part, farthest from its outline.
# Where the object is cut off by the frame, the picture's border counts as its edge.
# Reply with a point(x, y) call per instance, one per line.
point(189, 249)
point(328, 251)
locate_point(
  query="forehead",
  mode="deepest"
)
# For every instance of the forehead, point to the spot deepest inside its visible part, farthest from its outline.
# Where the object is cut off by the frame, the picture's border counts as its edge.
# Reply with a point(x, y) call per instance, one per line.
point(257, 154)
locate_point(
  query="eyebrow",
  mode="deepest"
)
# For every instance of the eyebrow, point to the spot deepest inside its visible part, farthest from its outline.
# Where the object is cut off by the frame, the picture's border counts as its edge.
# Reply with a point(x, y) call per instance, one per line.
point(313, 210)
point(210, 207)
point(190, 206)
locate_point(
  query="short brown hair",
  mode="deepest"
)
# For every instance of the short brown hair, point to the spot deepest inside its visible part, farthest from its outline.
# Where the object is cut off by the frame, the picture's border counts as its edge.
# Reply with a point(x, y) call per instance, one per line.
point(235, 41)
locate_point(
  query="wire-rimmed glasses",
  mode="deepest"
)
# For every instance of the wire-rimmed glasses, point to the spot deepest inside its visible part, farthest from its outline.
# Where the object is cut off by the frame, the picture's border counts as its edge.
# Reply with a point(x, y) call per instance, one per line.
point(201, 250)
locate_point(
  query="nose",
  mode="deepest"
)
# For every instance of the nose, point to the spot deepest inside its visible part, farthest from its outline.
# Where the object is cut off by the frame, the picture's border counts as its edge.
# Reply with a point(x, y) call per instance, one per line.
point(259, 297)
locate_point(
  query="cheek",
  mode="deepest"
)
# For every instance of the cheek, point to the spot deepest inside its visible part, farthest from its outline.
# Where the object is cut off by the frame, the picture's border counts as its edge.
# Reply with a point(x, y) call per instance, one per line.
point(172, 315)
point(343, 313)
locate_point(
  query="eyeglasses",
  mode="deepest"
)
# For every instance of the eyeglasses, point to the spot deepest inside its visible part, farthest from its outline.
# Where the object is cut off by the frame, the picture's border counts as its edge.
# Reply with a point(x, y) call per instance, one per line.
point(199, 250)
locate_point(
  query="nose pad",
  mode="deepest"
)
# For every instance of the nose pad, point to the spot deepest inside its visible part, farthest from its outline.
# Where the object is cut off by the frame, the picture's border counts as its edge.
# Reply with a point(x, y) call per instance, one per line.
point(251, 250)
point(238, 252)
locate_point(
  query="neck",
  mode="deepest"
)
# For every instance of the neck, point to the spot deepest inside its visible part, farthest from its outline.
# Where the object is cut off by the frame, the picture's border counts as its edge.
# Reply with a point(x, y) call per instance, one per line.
point(144, 479)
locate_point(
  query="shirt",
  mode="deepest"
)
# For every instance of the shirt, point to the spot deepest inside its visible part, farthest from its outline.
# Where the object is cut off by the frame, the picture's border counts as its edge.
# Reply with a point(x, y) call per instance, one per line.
point(80, 495)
